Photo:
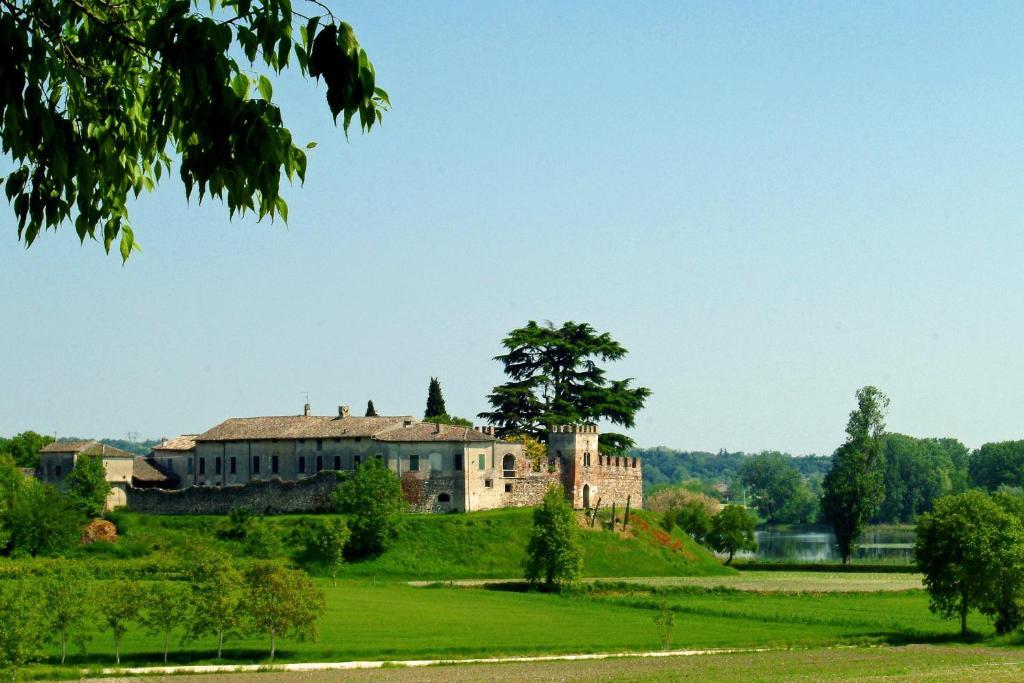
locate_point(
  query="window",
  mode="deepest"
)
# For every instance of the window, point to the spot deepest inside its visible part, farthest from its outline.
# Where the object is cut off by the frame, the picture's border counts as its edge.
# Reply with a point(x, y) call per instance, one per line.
point(356, 460)
point(508, 488)
point(337, 462)
point(444, 498)
point(379, 456)
point(481, 462)
point(202, 465)
point(58, 470)
point(616, 461)
point(190, 465)
point(302, 464)
point(508, 466)
point(489, 483)
point(275, 464)
point(319, 463)
point(233, 465)
point(216, 465)
point(302, 441)
point(457, 461)
point(414, 463)
point(255, 464)
point(586, 459)
point(319, 444)
point(337, 440)
point(634, 463)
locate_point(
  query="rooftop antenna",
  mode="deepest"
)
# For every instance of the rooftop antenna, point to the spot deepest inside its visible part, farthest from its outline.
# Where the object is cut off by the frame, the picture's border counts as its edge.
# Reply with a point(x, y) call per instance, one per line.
point(306, 408)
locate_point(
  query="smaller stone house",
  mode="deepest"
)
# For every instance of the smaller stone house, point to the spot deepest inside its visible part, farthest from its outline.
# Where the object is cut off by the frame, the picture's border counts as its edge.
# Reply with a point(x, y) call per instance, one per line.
point(56, 460)
point(177, 456)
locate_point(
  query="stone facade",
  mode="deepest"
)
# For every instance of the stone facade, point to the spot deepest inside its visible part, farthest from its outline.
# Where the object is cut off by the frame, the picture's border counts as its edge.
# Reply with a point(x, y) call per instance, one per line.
point(273, 496)
point(56, 460)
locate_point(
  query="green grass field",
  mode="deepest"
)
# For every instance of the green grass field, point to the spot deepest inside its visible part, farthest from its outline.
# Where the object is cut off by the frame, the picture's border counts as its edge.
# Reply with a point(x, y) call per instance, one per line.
point(397, 621)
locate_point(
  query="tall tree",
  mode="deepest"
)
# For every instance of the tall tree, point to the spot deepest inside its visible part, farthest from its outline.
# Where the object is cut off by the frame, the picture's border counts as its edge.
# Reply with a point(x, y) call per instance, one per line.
point(213, 581)
point(555, 552)
point(854, 487)
point(370, 410)
point(435, 400)
point(554, 378)
point(87, 486)
point(97, 97)
point(25, 447)
point(998, 464)
point(775, 487)
point(281, 602)
point(41, 521)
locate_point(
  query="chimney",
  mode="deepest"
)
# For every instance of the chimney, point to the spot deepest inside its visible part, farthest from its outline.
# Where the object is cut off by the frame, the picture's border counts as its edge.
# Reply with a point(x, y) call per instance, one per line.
point(343, 411)
point(437, 427)
point(307, 410)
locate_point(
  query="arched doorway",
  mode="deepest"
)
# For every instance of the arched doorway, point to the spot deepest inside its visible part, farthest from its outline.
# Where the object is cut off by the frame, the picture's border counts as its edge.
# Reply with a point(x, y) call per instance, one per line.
point(586, 496)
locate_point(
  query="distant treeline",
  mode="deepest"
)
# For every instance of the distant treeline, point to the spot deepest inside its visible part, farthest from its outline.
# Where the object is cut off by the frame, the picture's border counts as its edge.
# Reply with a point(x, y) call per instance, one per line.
point(916, 473)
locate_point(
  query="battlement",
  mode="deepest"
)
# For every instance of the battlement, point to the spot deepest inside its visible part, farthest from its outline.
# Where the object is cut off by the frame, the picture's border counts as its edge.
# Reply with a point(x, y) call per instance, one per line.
point(574, 429)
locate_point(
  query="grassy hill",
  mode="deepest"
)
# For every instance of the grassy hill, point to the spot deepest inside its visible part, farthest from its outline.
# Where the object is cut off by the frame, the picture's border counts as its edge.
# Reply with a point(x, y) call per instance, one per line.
point(492, 545)
point(476, 545)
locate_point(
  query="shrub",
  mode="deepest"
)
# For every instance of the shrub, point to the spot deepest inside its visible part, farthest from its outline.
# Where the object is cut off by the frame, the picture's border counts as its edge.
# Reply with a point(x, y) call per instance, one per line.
point(372, 497)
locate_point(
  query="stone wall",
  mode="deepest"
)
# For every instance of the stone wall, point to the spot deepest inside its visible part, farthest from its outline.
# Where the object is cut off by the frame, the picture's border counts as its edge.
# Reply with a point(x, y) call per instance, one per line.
point(261, 497)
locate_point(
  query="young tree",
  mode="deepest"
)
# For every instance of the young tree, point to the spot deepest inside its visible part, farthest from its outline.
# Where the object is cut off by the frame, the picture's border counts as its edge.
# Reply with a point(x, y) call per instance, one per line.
point(971, 553)
point(119, 605)
point(23, 626)
point(87, 486)
point(281, 602)
point(732, 530)
point(435, 400)
point(331, 539)
point(164, 607)
point(370, 410)
point(555, 553)
point(854, 487)
point(372, 498)
point(83, 144)
point(69, 605)
point(554, 378)
point(213, 581)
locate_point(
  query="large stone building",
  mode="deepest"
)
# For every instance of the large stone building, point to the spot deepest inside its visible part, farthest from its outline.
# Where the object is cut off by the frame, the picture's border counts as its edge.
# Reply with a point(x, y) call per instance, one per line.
point(442, 467)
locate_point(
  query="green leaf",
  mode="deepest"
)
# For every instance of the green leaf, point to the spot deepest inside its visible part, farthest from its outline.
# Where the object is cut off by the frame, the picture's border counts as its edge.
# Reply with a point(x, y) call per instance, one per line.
point(311, 145)
point(311, 29)
point(266, 89)
point(240, 85)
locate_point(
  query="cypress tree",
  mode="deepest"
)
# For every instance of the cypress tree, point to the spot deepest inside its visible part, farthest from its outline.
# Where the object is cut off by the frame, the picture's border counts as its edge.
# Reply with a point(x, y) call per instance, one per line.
point(435, 400)
point(370, 410)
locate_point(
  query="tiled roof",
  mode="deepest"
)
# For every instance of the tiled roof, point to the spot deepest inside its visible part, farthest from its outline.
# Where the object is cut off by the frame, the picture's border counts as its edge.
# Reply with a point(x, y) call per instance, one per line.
point(427, 431)
point(299, 427)
point(86, 448)
point(68, 446)
point(148, 470)
point(185, 442)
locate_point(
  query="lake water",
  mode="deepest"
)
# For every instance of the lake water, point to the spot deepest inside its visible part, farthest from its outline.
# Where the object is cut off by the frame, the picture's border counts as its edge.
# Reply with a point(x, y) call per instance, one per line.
point(818, 544)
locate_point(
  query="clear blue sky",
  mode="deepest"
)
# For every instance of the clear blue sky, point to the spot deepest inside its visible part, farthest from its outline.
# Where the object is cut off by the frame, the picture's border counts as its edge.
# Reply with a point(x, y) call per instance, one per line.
point(769, 204)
